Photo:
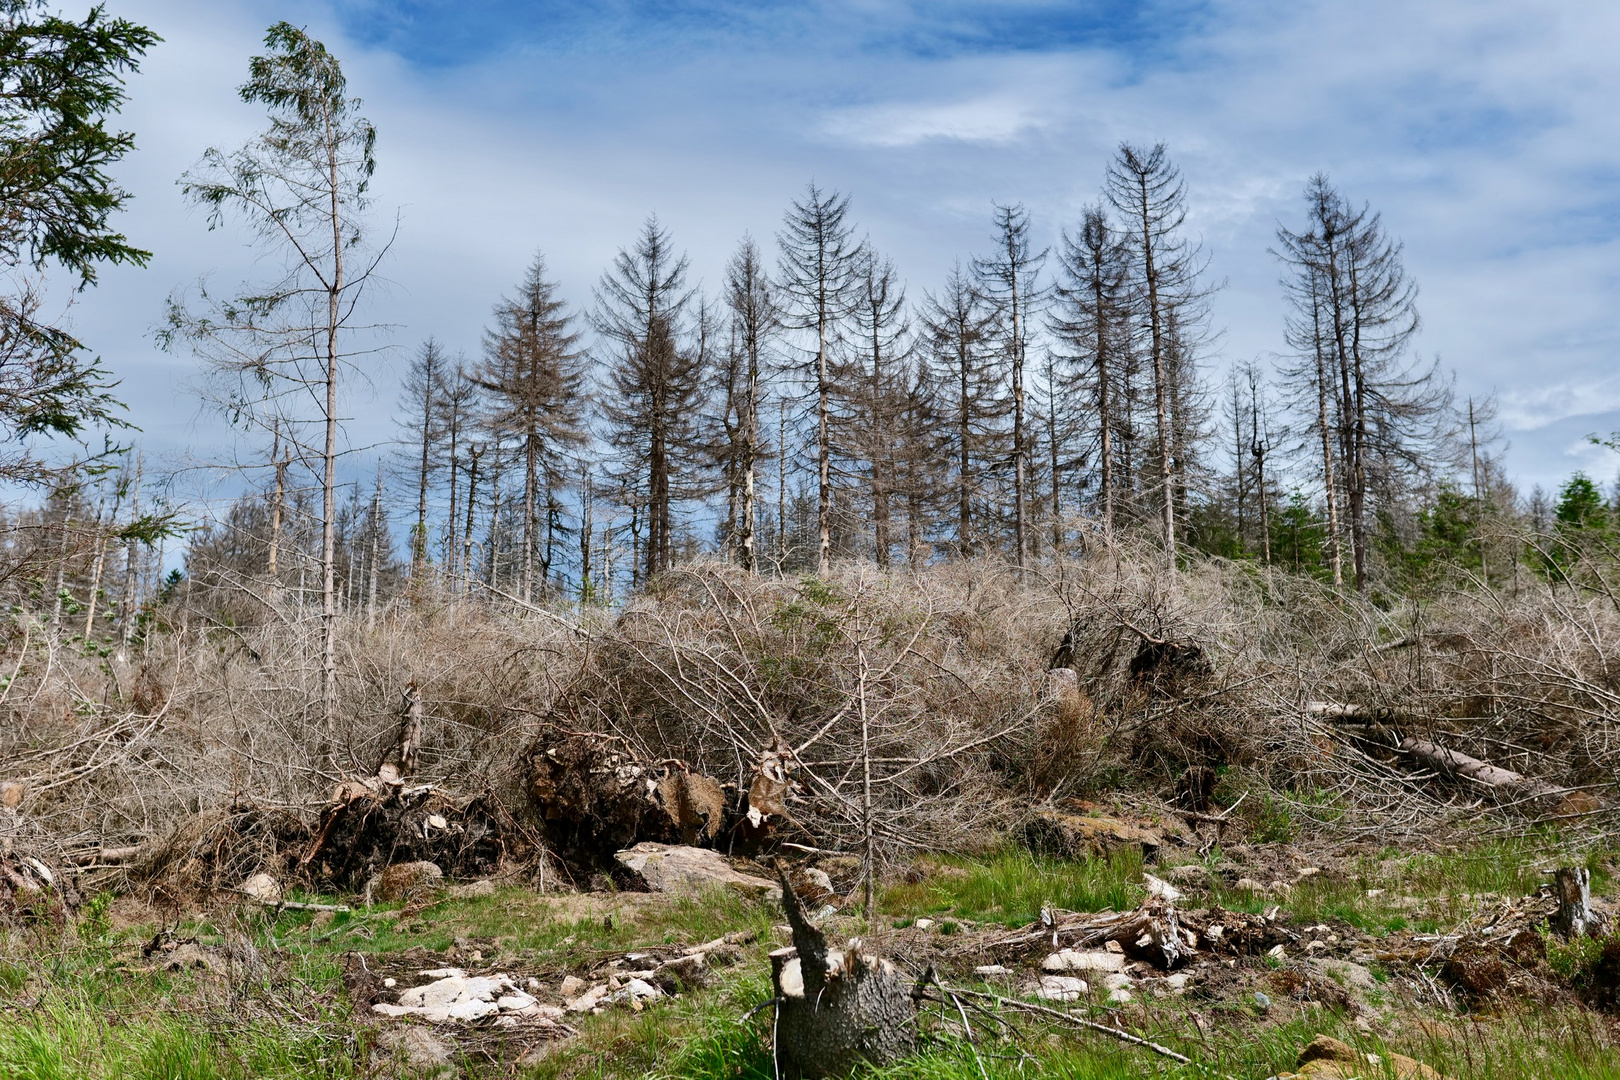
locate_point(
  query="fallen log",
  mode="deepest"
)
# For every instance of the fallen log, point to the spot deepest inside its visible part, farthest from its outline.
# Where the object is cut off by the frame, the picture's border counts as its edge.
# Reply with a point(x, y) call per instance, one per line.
point(1432, 755)
point(836, 1008)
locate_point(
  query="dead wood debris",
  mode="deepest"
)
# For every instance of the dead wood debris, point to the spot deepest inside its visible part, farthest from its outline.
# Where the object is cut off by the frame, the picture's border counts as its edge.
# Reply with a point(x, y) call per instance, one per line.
point(597, 798)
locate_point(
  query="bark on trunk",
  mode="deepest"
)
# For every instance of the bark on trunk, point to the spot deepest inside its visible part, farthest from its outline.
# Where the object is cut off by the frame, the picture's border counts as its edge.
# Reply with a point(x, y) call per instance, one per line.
point(836, 1008)
point(1575, 917)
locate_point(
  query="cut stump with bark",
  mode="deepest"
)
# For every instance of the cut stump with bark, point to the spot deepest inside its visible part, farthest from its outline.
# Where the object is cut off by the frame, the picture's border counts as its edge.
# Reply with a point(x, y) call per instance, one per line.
point(836, 1008)
point(1575, 917)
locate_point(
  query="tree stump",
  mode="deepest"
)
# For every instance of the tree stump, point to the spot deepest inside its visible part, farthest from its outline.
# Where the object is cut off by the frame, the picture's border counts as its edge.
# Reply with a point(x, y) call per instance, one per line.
point(836, 1008)
point(1575, 917)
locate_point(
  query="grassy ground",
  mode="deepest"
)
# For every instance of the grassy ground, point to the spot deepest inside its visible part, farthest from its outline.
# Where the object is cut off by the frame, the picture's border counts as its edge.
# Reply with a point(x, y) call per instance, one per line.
point(82, 1002)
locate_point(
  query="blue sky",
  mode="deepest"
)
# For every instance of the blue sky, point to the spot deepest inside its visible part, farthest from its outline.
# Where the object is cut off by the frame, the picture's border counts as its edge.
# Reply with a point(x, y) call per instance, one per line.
point(1485, 132)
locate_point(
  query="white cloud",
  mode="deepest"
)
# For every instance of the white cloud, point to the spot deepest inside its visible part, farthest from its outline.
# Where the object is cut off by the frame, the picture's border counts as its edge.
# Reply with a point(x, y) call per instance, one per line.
point(986, 120)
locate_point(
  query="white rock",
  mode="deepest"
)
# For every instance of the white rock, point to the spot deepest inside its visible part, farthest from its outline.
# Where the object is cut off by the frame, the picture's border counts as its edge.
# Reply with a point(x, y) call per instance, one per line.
point(1277, 952)
point(570, 986)
point(261, 887)
point(437, 994)
point(989, 970)
point(515, 1002)
point(819, 879)
point(923, 924)
point(385, 1009)
point(588, 1000)
point(1074, 960)
point(390, 982)
point(1161, 889)
point(472, 1010)
point(1061, 988)
point(1178, 982)
point(690, 871)
point(442, 973)
point(642, 990)
point(1119, 996)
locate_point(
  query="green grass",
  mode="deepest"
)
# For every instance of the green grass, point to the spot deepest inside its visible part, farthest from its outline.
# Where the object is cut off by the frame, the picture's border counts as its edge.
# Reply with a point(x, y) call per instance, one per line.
point(82, 1005)
point(1012, 886)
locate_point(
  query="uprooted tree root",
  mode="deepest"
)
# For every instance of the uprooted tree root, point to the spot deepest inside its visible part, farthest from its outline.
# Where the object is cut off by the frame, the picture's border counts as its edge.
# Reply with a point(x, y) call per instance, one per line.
point(355, 837)
point(597, 797)
point(362, 834)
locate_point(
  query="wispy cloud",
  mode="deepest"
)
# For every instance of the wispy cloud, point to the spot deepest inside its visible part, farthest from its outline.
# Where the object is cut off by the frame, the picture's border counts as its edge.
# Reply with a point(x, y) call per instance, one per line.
point(985, 120)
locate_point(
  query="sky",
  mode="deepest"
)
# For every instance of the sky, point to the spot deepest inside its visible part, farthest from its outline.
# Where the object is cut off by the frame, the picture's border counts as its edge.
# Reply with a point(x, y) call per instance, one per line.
point(1484, 132)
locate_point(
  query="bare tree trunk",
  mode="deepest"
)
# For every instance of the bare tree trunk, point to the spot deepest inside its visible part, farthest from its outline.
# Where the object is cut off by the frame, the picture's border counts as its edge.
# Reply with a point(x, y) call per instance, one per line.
point(126, 606)
point(376, 537)
point(781, 486)
point(64, 530)
point(964, 434)
point(868, 852)
point(823, 452)
point(530, 464)
point(473, 454)
point(1020, 451)
point(587, 526)
point(329, 471)
point(750, 513)
point(419, 536)
point(1335, 551)
point(1259, 448)
point(98, 565)
point(277, 500)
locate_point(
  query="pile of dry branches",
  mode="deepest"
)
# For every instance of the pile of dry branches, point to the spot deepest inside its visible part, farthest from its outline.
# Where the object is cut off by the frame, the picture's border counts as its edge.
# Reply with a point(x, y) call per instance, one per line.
point(868, 713)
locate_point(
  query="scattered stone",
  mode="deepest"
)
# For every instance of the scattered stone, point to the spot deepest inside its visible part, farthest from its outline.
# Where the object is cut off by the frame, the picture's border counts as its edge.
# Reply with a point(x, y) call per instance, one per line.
point(1117, 981)
point(1307, 872)
point(1247, 884)
point(923, 924)
point(473, 890)
point(1327, 1058)
point(1160, 889)
point(1178, 982)
point(1262, 1000)
point(571, 986)
point(1277, 952)
point(261, 887)
point(400, 881)
point(991, 971)
point(819, 878)
point(690, 871)
point(1073, 960)
point(1052, 832)
point(390, 982)
point(1061, 988)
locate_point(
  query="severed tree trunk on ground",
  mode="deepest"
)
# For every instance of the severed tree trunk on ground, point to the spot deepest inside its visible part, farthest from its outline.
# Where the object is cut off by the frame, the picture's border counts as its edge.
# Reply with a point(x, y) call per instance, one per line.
point(836, 1008)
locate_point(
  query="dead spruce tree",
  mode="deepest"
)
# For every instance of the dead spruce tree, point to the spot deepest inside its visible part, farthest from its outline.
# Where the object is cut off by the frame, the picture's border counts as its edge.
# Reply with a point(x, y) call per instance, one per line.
point(755, 320)
point(422, 428)
point(959, 326)
point(280, 348)
point(1354, 312)
point(653, 383)
point(1164, 270)
point(1090, 320)
point(534, 380)
point(1009, 281)
point(820, 267)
